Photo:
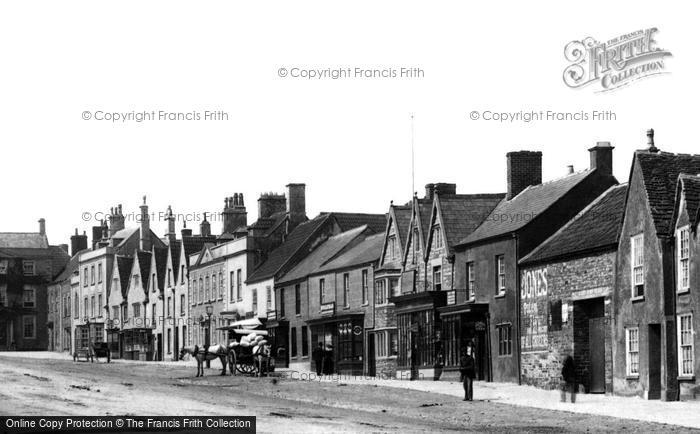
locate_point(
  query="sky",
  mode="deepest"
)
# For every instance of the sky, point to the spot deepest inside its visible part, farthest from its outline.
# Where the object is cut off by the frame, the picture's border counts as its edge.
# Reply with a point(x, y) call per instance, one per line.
point(348, 139)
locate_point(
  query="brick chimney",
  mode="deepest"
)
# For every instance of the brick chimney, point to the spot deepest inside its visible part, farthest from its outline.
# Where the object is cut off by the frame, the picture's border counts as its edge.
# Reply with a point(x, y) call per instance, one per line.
point(270, 203)
point(602, 158)
point(524, 169)
point(116, 220)
point(170, 218)
point(145, 241)
point(42, 226)
point(96, 235)
point(296, 202)
point(439, 187)
point(205, 227)
point(235, 214)
point(77, 242)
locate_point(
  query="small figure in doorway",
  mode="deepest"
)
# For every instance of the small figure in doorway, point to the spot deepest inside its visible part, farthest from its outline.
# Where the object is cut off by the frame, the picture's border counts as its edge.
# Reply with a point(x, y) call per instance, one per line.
point(317, 355)
point(568, 375)
point(467, 371)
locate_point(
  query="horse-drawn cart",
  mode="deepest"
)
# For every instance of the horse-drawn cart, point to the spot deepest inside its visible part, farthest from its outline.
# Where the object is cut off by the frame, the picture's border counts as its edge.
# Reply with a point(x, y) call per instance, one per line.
point(250, 352)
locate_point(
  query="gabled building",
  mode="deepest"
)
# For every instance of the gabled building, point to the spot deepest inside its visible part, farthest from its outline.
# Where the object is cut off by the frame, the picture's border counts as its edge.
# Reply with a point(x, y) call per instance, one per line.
point(136, 334)
point(28, 265)
point(428, 280)
point(117, 304)
point(382, 340)
point(655, 327)
point(566, 290)
point(486, 261)
point(158, 305)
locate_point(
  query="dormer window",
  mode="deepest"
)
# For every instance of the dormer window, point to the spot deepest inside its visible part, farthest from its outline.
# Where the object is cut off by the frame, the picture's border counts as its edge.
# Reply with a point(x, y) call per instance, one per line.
point(392, 247)
point(683, 243)
point(637, 253)
point(437, 237)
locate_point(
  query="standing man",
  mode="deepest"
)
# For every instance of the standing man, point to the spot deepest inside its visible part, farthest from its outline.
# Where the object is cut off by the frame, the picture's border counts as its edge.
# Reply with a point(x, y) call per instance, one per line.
point(317, 355)
point(568, 374)
point(467, 371)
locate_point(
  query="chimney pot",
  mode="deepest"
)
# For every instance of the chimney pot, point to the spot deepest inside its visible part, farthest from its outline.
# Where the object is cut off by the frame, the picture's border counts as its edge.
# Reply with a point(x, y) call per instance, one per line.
point(570, 169)
point(650, 141)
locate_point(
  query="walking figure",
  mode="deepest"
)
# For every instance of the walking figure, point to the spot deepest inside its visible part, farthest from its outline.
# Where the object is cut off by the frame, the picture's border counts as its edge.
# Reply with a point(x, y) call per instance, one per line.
point(568, 375)
point(467, 371)
point(317, 355)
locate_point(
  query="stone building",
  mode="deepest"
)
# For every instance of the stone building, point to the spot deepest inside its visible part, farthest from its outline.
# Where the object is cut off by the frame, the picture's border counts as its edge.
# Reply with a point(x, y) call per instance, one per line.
point(428, 284)
point(382, 339)
point(60, 310)
point(566, 287)
point(654, 355)
point(28, 265)
point(487, 259)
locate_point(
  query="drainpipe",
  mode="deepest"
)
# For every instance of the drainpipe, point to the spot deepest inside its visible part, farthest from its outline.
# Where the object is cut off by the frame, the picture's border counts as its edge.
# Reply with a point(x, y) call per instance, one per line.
point(517, 309)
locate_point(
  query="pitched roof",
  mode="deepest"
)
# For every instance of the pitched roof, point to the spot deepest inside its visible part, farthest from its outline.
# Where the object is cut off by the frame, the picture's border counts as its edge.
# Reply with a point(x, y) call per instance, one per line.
point(367, 251)
point(175, 246)
point(512, 215)
point(425, 208)
point(144, 259)
point(321, 254)
point(690, 186)
point(23, 240)
point(463, 213)
point(161, 257)
point(402, 217)
point(124, 264)
point(596, 226)
point(281, 255)
point(375, 222)
point(70, 268)
point(194, 244)
point(660, 172)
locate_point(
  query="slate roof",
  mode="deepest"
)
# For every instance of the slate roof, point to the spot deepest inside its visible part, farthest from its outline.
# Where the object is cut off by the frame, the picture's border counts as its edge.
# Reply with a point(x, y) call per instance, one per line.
point(175, 246)
point(463, 213)
point(596, 227)
point(375, 222)
point(161, 257)
point(660, 172)
point(690, 186)
point(367, 251)
point(23, 240)
point(72, 266)
point(194, 244)
point(524, 207)
point(402, 217)
point(279, 256)
point(144, 259)
point(124, 264)
point(324, 252)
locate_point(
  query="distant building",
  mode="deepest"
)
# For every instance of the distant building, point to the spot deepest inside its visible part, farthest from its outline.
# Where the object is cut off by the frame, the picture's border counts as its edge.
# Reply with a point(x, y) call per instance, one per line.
point(28, 265)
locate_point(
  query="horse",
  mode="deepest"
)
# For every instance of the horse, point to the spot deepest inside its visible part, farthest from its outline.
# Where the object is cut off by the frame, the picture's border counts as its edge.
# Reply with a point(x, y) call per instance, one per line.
point(205, 354)
point(262, 354)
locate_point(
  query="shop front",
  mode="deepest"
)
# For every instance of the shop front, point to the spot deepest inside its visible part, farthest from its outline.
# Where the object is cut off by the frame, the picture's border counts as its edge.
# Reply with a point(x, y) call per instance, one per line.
point(278, 337)
point(88, 334)
point(420, 352)
point(342, 339)
point(465, 325)
point(137, 344)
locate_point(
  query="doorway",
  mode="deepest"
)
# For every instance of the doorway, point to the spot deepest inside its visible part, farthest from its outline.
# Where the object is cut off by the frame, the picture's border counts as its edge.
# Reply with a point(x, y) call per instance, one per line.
point(371, 358)
point(654, 349)
point(596, 342)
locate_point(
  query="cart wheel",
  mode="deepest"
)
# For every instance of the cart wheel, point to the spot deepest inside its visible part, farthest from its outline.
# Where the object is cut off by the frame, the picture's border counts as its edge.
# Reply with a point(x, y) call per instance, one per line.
point(246, 368)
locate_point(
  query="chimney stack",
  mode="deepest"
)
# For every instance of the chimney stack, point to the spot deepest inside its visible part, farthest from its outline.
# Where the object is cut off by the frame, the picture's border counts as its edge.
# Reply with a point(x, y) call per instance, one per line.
point(42, 226)
point(570, 169)
point(296, 202)
point(602, 158)
point(185, 232)
point(235, 214)
point(524, 169)
point(205, 227)
point(170, 218)
point(116, 220)
point(271, 203)
point(77, 242)
point(96, 236)
point(440, 188)
point(145, 241)
point(650, 141)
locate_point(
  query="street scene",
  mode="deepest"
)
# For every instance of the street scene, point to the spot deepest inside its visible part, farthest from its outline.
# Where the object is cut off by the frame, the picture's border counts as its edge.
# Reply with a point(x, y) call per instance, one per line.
point(54, 386)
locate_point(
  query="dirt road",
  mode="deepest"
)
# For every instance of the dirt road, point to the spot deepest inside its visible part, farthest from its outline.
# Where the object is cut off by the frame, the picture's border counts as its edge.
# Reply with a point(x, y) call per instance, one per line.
point(61, 387)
